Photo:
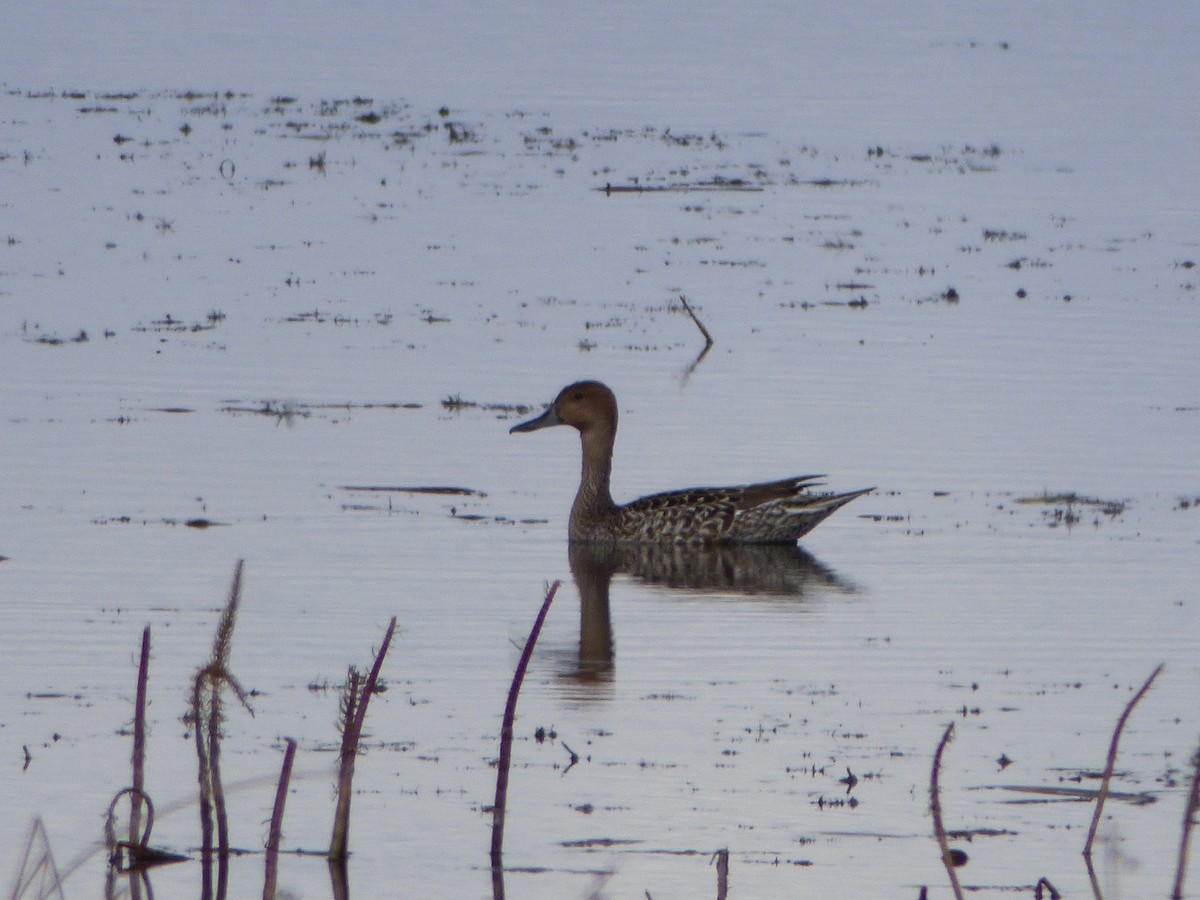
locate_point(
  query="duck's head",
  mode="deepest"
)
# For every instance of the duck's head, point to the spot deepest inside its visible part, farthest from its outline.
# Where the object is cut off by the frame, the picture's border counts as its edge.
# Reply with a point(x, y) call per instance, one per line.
point(588, 406)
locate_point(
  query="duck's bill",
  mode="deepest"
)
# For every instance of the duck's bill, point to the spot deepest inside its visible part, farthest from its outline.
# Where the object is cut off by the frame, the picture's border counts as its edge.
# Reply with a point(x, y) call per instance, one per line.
point(545, 420)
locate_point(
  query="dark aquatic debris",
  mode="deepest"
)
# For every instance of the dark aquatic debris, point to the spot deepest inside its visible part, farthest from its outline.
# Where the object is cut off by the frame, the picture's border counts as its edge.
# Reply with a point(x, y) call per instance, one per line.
point(1071, 497)
point(1049, 793)
point(198, 523)
point(53, 340)
point(456, 403)
point(1064, 508)
point(712, 184)
point(284, 411)
point(415, 489)
point(290, 410)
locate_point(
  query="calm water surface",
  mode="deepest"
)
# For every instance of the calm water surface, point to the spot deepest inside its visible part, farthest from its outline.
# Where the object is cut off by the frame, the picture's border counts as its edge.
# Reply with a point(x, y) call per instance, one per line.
point(278, 298)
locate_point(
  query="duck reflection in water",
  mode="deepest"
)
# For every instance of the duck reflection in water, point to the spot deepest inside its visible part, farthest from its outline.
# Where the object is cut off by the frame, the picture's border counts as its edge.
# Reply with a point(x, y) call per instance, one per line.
point(761, 571)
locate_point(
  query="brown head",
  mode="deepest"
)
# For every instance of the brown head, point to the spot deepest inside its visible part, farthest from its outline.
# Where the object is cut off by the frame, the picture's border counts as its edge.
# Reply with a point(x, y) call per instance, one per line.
point(588, 406)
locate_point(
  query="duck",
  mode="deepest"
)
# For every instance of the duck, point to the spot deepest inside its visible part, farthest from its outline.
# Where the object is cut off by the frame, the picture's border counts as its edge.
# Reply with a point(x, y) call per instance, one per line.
point(770, 512)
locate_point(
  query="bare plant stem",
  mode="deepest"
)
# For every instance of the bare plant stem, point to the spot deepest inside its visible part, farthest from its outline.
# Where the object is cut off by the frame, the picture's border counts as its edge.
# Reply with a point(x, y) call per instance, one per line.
point(204, 778)
point(206, 719)
point(339, 879)
point(273, 836)
point(1190, 810)
point(214, 767)
point(352, 693)
point(358, 695)
point(139, 743)
point(722, 860)
point(360, 713)
point(1112, 762)
point(506, 737)
point(935, 807)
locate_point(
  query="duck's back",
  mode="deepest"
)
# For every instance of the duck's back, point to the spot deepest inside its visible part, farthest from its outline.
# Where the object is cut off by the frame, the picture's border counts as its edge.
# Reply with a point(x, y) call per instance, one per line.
point(772, 512)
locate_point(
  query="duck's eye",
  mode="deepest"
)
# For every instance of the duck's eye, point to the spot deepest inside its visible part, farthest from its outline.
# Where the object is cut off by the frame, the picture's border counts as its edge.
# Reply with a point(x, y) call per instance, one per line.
point(578, 395)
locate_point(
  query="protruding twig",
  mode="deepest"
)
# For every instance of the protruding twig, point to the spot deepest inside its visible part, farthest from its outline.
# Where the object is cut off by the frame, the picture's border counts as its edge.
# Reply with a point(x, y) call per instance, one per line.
point(358, 695)
point(935, 807)
point(272, 863)
point(708, 341)
point(506, 737)
point(1112, 761)
point(1190, 810)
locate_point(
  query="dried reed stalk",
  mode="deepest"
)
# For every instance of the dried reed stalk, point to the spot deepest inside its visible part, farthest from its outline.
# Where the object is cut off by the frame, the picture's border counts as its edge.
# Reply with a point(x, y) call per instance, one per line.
point(935, 807)
point(1111, 764)
point(272, 860)
point(204, 777)
point(215, 717)
point(1190, 810)
point(355, 699)
point(138, 760)
point(207, 715)
point(506, 737)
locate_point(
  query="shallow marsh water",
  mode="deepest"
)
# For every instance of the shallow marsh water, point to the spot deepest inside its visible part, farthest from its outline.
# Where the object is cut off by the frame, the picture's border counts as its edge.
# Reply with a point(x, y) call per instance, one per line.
point(278, 298)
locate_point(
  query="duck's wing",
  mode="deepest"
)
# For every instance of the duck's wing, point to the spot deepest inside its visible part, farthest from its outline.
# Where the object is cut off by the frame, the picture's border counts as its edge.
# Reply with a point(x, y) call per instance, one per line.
point(786, 490)
point(768, 512)
point(689, 515)
point(789, 518)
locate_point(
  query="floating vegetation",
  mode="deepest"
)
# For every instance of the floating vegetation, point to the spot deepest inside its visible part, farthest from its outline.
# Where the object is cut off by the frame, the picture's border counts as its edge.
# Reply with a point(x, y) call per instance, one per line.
point(456, 403)
point(1071, 499)
point(416, 489)
point(712, 184)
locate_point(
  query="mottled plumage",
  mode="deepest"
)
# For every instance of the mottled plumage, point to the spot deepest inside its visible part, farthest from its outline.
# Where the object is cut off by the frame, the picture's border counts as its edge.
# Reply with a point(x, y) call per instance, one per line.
point(773, 512)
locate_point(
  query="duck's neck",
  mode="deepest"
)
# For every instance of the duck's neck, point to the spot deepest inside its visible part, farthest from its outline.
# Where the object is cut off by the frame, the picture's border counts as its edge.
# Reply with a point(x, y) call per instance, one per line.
point(593, 500)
